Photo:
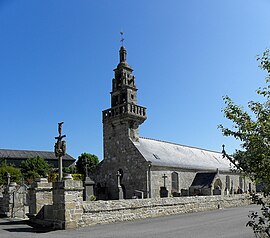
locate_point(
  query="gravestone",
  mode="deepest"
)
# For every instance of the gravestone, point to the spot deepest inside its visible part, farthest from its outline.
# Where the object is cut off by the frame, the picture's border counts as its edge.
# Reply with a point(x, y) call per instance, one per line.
point(163, 192)
point(88, 189)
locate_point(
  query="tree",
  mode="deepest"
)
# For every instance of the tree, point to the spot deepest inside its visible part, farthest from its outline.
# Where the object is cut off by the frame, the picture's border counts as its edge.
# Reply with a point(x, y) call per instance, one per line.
point(15, 173)
point(34, 168)
point(252, 128)
point(86, 160)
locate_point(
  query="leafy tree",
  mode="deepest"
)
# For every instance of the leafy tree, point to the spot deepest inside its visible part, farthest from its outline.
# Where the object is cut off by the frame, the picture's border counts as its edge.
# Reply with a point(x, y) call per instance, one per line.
point(70, 170)
point(252, 128)
point(86, 160)
point(34, 168)
point(15, 173)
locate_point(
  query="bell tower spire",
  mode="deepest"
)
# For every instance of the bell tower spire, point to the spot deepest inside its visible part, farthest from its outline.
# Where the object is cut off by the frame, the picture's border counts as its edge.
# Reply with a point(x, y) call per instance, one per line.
point(123, 54)
point(124, 116)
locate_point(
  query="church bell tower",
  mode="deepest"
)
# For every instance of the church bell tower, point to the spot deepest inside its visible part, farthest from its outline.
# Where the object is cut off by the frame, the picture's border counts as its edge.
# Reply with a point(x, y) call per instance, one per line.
point(121, 121)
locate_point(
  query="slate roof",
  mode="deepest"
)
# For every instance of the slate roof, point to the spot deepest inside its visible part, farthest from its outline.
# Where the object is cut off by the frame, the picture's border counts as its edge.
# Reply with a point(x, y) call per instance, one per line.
point(162, 153)
point(24, 154)
point(203, 180)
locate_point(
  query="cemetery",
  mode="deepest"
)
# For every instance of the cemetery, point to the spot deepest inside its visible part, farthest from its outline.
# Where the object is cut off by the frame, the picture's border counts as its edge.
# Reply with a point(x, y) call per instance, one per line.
point(138, 177)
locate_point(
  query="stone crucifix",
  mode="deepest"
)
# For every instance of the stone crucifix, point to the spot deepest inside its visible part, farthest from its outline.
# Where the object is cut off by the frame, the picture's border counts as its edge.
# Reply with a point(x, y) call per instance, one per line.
point(60, 150)
point(120, 190)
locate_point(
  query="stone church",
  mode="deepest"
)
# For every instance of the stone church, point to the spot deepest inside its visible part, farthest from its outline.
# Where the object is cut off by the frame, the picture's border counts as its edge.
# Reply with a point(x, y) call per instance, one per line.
point(140, 167)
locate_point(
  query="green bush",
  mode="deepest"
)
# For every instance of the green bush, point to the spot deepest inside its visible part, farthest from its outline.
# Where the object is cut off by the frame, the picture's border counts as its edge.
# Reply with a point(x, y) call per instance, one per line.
point(78, 177)
point(33, 168)
point(86, 160)
point(93, 198)
point(15, 174)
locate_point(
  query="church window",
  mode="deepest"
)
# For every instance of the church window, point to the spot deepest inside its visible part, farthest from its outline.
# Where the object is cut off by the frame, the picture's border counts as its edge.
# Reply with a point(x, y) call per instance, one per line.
point(218, 184)
point(132, 96)
point(175, 182)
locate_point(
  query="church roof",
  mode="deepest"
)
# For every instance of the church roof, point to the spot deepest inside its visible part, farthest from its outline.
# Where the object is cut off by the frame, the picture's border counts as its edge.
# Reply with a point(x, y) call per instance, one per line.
point(168, 154)
point(204, 179)
point(24, 154)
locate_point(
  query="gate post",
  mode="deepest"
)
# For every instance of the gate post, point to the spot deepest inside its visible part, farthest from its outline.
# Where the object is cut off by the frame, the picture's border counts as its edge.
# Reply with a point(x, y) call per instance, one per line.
point(40, 194)
point(8, 199)
point(67, 203)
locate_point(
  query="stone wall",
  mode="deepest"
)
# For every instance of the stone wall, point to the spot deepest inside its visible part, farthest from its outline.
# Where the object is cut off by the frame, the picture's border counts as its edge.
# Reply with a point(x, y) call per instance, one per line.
point(14, 201)
point(121, 154)
point(101, 212)
point(67, 204)
point(40, 194)
point(186, 178)
point(69, 211)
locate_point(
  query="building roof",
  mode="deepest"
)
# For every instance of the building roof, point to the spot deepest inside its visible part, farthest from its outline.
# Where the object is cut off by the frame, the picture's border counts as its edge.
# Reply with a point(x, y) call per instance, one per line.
point(204, 179)
point(24, 154)
point(161, 153)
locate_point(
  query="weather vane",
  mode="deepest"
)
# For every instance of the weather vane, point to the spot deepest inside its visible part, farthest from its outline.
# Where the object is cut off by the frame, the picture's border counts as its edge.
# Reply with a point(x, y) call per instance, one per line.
point(122, 37)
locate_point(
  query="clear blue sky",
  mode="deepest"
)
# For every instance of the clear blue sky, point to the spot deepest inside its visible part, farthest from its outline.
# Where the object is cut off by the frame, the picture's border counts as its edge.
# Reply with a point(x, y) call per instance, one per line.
point(57, 60)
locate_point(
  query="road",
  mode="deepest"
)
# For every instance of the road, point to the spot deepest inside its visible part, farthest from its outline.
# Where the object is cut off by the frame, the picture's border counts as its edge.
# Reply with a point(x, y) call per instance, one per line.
point(223, 223)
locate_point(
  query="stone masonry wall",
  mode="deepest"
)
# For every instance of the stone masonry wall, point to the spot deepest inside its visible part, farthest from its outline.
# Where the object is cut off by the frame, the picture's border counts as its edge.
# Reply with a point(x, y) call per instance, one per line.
point(186, 178)
point(40, 194)
point(120, 153)
point(101, 212)
point(67, 204)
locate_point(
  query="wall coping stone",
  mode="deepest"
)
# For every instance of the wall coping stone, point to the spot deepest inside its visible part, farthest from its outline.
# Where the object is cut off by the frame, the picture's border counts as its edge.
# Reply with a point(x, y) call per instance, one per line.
point(113, 205)
point(71, 185)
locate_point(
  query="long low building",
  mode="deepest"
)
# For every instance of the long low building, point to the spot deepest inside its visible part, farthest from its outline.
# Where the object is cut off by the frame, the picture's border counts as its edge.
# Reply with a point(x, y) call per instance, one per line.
point(15, 157)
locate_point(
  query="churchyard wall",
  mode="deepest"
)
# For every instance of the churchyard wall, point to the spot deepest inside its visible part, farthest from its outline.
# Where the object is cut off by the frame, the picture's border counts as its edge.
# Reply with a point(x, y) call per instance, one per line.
point(101, 212)
point(69, 211)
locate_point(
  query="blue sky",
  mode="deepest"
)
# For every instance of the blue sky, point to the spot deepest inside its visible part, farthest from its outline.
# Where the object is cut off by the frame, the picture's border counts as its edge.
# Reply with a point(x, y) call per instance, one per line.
point(57, 60)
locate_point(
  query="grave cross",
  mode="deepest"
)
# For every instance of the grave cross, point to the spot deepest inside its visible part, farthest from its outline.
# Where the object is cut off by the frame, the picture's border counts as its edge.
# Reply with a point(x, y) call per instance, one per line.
point(86, 167)
point(8, 178)
point(120, 190)
point(118, 174)
point(164, 177)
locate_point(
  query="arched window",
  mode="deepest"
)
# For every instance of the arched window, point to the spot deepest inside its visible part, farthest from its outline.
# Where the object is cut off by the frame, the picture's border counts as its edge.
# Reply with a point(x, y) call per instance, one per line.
point(175, 182)
point(218, 184)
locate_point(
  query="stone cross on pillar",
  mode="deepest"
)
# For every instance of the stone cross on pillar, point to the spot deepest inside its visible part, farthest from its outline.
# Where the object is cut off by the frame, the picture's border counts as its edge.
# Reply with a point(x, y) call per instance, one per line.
point(60, 150)
point(164, 177)
point(120, 190)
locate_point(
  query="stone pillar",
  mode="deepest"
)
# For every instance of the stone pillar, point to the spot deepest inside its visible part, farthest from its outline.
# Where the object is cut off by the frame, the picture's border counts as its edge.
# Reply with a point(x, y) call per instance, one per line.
point(8, 199)
point(211, 190)
point(40, 194)
point(67, 203)
point(148, 180)
point(88, 189)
